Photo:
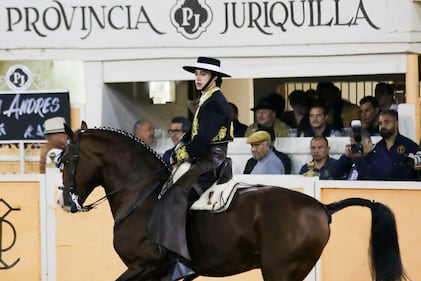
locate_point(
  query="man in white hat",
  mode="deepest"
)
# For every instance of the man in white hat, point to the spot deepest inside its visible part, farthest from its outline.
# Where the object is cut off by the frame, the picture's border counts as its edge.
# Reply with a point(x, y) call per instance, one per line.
point(205, 147)
point(56, 140)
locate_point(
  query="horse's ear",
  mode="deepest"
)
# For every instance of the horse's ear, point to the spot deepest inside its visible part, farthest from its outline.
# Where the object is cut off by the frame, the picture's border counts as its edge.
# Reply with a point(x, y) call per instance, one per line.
point(68, 130)
point(83, 126)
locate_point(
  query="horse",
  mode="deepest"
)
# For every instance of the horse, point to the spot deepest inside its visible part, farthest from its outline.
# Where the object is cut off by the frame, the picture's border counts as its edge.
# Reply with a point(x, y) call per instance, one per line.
point(281, 231)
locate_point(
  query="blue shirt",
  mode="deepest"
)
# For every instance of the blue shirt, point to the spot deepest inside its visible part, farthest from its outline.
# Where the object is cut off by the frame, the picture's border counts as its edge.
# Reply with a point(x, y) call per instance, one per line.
point(167, 155)
point(270, 164)
point(380, 163)
point(325, 172)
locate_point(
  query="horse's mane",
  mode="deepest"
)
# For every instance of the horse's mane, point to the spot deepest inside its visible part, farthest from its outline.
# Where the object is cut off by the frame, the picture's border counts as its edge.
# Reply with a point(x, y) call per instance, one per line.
point(132, 138)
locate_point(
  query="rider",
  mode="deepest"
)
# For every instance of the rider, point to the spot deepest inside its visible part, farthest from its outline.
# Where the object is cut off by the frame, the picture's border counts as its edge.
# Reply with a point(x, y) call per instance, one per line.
point(205, 147)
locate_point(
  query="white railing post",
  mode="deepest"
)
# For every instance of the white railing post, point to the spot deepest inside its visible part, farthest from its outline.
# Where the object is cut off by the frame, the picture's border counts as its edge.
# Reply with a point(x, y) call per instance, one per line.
point(52, 182)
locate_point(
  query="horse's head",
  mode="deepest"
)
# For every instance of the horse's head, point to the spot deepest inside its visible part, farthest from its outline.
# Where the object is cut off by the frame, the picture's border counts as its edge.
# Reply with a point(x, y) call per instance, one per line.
point(78, 171)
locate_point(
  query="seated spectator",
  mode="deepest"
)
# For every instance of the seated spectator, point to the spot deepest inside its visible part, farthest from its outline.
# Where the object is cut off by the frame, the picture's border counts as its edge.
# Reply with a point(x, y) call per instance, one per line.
point(286, 161)
point(387, 160)
point(298, 117)
point(239, 128)
point(56, 141)
point(340, 112)
point(144, 130)
point(323, 164)
point(265, 112)
point(385, 96)
point(179, 126)
point(264, 160)
point(370, 115)
point(318, 123)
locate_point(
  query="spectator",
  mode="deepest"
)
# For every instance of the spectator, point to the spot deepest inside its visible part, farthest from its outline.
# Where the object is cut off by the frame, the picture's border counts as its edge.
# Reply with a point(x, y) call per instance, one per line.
point(144, 130)
point(323, 164)
point(387, 160)
point(318, 123)
point(298, 117)
point(349, 167)
point(286, 161)
point(279, 103)
point(179, 126)
point(340, 112)
point(370, 115)
point(385, 96)
point(239, 128)
point(265, 112)
point(56, 141)
point(266, 162)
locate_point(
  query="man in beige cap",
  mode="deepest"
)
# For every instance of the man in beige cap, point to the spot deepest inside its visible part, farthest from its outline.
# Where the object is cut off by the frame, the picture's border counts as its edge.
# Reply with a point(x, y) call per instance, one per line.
point(56, 140)
point(261, 149)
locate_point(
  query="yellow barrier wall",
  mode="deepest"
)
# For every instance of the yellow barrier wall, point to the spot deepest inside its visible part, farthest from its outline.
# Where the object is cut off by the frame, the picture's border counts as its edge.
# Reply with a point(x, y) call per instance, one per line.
point(85, 244)
point(345, 257)
point(26, 222)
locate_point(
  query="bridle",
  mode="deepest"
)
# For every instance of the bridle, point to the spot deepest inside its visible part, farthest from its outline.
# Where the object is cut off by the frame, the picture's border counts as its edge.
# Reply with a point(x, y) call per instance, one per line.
point(74, 197)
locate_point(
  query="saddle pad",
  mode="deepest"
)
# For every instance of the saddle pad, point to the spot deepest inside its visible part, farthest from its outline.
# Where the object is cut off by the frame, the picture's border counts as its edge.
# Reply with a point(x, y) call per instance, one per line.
point(218, 197)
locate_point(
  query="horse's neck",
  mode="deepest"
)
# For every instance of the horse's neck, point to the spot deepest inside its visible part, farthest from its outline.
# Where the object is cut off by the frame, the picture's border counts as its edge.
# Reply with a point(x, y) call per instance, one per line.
point(132, 194)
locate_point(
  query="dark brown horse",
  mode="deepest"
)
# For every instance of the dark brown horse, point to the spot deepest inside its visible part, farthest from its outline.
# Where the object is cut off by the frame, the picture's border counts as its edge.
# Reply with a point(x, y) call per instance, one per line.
point(280, 231)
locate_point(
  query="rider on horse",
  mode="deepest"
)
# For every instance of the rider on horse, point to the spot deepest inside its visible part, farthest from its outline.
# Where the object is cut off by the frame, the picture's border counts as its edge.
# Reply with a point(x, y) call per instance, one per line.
point(205, 148)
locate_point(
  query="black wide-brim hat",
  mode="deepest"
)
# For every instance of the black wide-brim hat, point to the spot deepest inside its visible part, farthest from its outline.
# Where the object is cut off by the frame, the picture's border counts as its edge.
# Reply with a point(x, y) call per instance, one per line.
point(209, 64)
point(265, 103)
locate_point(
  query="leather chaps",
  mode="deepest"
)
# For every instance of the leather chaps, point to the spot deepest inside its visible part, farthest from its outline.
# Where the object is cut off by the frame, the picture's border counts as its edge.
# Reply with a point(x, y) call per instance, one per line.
point(167, 226)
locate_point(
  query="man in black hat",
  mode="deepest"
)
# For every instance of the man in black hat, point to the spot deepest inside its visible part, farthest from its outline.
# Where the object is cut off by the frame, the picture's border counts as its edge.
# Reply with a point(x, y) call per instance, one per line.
point(204, 147)
point(265, 112)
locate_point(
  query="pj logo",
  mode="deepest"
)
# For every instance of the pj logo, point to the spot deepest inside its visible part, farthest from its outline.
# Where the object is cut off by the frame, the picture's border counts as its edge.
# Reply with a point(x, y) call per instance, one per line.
point(191, 17)
point(5, 225)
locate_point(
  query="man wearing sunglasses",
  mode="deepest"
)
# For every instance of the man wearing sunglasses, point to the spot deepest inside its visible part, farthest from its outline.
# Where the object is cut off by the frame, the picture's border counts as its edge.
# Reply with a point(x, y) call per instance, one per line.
point(179, 126)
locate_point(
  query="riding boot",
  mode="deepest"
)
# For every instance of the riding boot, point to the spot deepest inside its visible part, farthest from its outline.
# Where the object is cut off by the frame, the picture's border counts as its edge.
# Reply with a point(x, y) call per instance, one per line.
point(178, 269)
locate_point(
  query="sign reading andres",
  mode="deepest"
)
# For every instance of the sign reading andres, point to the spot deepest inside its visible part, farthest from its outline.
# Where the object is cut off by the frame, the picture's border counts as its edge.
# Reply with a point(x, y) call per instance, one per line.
point(22, 115)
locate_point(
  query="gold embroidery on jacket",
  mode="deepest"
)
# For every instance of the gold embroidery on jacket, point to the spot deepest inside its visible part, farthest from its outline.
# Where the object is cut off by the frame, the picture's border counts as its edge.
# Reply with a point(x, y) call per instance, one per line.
point(222, 133)
point(181, 154)
point(195, 123)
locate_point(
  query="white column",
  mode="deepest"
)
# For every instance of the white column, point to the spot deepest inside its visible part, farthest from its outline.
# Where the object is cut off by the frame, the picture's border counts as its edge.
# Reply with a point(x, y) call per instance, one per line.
point(94, 88)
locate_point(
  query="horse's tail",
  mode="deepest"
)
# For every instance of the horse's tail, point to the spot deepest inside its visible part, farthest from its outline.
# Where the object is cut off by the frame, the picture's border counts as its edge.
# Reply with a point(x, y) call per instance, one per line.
point(386, 263)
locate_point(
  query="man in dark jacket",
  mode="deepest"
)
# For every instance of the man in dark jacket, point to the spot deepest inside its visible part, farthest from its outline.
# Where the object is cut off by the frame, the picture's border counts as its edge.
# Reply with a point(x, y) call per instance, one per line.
point(387, 160)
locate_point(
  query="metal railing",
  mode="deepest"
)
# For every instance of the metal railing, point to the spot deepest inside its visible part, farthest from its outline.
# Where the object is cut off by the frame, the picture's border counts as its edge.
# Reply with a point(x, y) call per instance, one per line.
point(22, 152)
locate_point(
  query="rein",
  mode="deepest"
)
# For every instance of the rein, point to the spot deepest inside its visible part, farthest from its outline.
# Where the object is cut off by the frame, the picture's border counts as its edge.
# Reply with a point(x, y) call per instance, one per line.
point(75, 197)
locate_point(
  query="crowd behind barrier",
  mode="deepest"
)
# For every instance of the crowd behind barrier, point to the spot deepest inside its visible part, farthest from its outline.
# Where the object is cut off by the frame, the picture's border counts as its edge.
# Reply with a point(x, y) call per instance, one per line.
point(298, 149)
point(22, 157)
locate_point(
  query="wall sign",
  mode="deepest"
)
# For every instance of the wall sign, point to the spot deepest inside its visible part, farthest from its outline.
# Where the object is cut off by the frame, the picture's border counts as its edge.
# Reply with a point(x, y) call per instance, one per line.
point(18, 77)
point(150, 23)
point(22, 115)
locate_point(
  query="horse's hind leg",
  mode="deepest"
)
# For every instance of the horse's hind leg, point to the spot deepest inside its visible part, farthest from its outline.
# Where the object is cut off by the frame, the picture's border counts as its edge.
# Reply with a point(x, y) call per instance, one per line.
point(297, 247)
